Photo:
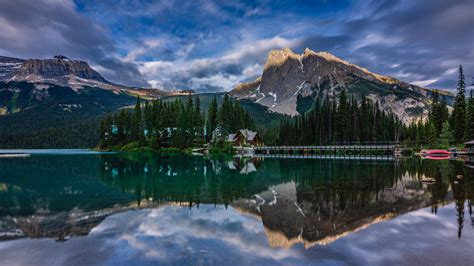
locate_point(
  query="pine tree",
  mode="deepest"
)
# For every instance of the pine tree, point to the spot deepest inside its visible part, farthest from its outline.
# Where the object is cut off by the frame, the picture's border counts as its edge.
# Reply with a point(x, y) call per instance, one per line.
point(189, 123)
point(137, 127)
point(364, 120)
point(198, 121)
point(212, 118)
point(226, 116)
point(446, 137)
point(148, 119)
point(430, 132)
point(179, 138)
point(341, 122)
point(469, 135)
point(122, 122)
point(105, 132)
point(435, 115)
point(459, 112)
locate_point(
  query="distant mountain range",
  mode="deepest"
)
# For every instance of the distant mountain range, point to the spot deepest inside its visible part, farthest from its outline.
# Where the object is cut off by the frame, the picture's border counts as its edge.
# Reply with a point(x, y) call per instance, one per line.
point(65, 72)
point(291, 82)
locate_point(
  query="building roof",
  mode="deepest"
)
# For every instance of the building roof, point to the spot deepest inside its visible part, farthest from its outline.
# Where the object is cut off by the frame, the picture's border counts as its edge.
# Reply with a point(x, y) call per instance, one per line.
point(231, 137)
point(469, 142)
point(248, 134)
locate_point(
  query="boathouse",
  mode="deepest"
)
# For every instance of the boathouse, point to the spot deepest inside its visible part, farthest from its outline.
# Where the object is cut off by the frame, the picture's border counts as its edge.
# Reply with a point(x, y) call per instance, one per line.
point(245, 137)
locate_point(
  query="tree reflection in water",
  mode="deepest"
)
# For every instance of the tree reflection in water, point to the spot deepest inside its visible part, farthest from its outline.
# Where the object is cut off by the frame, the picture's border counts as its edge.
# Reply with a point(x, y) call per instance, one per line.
point(305, 200)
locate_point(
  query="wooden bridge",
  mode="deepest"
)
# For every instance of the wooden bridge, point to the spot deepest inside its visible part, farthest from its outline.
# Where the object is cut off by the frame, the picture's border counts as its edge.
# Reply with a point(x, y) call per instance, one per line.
point(329, 156)
point(393, 149)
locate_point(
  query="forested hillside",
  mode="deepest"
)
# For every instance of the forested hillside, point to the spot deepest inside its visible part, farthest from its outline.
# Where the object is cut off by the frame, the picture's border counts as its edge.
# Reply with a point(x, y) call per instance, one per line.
point(53, 117)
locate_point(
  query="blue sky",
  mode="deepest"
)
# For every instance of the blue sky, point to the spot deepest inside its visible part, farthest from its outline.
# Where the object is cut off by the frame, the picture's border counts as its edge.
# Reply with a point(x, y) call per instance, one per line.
point(211, 45)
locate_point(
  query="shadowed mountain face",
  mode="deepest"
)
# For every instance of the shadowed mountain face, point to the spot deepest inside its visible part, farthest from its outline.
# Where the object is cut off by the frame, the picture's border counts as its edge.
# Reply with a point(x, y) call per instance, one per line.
point(59, 70)
point(298, 201)
point(290, 81)
point(65, 72)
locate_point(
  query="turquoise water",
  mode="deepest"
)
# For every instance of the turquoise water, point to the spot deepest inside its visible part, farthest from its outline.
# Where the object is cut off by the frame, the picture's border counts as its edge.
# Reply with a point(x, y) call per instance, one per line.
point(84, 208)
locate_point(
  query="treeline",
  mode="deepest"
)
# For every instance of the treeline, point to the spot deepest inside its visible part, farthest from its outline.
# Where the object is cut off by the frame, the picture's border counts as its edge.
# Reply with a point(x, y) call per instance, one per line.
point(340, 121)
point(161, 124)
point(77, 135)
point(442, 128)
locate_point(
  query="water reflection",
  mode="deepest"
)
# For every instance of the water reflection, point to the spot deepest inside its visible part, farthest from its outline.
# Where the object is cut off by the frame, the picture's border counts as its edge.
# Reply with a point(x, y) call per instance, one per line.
point(312, 202)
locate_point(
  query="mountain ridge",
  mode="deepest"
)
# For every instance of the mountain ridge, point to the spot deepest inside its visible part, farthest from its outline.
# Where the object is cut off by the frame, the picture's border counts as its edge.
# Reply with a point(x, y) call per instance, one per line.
point(63, 71)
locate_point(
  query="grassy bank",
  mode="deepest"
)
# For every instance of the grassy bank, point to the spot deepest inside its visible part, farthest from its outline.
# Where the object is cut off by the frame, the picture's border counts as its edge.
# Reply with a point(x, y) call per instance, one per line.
point(146, 148)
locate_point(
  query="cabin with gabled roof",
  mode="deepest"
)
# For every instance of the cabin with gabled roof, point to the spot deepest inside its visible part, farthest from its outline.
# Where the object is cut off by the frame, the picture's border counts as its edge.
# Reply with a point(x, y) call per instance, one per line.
point(245, 137)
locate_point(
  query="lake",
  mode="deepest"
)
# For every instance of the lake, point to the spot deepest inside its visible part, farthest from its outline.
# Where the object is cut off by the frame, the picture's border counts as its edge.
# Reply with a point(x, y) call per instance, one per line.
point(83, 208)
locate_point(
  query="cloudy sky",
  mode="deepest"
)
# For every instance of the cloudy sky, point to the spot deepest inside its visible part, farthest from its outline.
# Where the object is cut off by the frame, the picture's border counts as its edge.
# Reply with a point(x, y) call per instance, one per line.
point(211, 45)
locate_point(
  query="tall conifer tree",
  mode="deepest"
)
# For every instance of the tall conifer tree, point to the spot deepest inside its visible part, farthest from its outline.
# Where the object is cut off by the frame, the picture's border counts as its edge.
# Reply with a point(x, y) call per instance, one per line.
point(459, 112)
point(470, 118)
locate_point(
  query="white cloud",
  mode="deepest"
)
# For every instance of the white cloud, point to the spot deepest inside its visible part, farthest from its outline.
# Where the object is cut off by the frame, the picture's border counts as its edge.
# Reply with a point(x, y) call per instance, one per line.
point(147, 45)
point(259, 47)
point(424, 83)
point(377, 38)
point(172, 75)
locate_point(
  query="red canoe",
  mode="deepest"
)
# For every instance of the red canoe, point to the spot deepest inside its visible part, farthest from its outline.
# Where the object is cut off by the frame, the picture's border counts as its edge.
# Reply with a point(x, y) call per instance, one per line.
point(435, 153)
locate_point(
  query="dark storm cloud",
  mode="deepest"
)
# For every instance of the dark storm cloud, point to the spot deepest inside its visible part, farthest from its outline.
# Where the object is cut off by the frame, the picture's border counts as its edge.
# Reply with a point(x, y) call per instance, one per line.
point(217, 43)
point(424, 39)
point(207, 69)
point(41, 29)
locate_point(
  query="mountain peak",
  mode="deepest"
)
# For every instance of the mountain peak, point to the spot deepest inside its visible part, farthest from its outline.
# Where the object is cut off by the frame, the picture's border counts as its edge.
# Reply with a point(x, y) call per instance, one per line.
point(279, 57)
point(308, 51)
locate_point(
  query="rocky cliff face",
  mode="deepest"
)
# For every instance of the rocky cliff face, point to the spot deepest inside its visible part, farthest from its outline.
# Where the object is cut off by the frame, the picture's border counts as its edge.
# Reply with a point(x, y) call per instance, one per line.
point(56, 68)
point(8, 66)
point(62, 71)
point(59, 70)
point(289, 81)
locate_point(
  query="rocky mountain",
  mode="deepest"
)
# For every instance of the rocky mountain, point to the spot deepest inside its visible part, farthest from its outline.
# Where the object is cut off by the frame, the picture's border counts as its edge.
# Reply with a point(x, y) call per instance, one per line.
point(65, 72)
point(290, 82)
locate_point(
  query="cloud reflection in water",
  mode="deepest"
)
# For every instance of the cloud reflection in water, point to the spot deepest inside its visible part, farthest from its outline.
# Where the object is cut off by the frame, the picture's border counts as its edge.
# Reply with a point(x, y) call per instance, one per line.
point(215, 235)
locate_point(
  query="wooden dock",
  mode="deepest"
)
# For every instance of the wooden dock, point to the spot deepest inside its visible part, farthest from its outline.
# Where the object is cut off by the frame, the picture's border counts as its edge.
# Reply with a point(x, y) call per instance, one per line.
point(330, 157)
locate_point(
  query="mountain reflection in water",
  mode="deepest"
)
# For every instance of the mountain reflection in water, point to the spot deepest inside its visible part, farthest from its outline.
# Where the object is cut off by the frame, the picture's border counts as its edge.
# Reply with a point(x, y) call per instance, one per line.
point(162, 204)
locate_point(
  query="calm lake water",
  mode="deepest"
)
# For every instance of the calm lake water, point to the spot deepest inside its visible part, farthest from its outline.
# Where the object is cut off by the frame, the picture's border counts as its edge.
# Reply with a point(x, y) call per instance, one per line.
point(80, 208)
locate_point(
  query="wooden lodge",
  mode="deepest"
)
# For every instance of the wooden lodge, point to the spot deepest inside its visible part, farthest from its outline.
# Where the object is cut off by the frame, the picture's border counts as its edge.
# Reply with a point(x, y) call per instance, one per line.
point(245, 137)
